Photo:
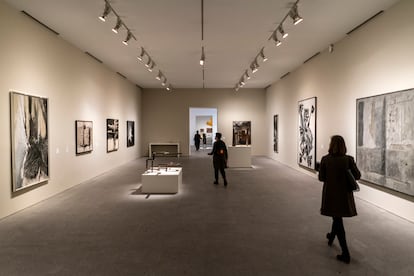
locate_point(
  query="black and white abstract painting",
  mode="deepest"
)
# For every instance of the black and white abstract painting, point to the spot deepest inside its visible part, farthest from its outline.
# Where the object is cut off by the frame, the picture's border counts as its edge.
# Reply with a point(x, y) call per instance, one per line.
point(275, 133)
point(84, 136)
point(30, 141)
point(385, 140)
point(112, 135)
point(130, 133)
point(307, 133)
point(242, 133)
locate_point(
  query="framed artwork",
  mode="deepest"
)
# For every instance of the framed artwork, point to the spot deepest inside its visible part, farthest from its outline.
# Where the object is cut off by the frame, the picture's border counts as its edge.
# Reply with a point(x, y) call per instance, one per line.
point(29, 139)
point(385, 139)
point(84, 136)
point(307, 133)
point(275, 133)
point(112, 135)
point(242, 133)
point(130, 133)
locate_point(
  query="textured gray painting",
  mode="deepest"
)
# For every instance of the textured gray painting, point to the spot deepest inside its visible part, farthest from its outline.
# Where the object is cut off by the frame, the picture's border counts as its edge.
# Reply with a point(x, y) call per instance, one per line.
point(307, 133)
point(385, 140)
point(30, 145)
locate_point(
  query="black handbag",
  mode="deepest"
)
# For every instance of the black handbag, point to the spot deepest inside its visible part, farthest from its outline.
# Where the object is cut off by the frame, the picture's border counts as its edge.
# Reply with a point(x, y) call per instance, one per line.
point(352, 184)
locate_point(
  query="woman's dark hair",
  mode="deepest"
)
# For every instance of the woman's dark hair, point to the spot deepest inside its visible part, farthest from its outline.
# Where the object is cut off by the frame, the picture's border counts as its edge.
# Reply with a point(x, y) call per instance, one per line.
point(218, 135)
point(337, 145)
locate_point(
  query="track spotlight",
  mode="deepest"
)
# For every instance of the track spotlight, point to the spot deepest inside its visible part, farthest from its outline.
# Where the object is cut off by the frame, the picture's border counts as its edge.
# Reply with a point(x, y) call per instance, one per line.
point(237, 87)
point(159, 76)
point(203, 57)
point(295, 15)
point(254, 66)
point(151, 67)
point(107, 10)
point(262, 55)
point(169, 87)
point(282, 32)
point(164, 82)
point(141, 56)
point(277, 41)
point(117, 26)
point(148, 64)
point(128, 37)
point(247, 75)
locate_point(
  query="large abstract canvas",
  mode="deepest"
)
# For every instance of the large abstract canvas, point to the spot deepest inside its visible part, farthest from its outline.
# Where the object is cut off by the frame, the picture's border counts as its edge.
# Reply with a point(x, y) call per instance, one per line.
point(385, 140)
point(130, 133)
point(242, 133)
point(30, 141)
point(307, 133)
point(84, 136)
point(275, 133)
point(112, 135)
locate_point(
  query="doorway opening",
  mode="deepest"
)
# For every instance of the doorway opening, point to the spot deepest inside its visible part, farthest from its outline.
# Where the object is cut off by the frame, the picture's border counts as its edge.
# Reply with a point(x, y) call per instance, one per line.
point(203, 120)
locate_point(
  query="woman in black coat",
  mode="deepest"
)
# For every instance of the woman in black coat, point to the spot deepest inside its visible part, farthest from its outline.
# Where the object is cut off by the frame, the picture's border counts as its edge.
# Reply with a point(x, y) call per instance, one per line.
point(220, 157)
point(337, 200)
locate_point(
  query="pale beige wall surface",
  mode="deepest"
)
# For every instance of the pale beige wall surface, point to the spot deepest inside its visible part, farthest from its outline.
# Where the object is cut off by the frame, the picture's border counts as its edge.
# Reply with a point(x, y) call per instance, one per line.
point(167, 114)
point(34, 61)
point(375, 59)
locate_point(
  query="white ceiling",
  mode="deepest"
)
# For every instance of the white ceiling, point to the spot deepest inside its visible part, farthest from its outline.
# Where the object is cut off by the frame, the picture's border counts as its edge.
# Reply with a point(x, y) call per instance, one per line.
point(234, 33)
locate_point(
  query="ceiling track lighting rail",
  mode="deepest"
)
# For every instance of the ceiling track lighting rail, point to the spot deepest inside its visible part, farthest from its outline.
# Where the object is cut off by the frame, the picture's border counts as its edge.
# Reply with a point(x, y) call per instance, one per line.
point(149, 63)
point(254, 65)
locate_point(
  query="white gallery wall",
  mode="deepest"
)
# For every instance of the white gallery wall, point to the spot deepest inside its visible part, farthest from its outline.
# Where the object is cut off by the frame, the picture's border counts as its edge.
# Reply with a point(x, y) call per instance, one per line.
point(375, 59)
point(37, 62)
point(167, 114)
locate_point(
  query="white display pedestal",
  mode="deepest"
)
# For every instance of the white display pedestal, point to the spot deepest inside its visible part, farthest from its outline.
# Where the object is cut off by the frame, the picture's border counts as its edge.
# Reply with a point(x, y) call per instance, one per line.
point(162, 181)
point(239, 157)
point(165, 148)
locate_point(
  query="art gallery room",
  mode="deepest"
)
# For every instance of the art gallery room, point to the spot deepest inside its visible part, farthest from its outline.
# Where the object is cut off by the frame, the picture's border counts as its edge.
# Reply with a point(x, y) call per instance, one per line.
point(110, 111)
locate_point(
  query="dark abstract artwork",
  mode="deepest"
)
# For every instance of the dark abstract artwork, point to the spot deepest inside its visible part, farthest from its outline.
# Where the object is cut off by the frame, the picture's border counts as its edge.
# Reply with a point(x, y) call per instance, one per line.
point(242, 133)
point(112, 135)
point(84, 136)
point(385, 140)
point(307, 133)
point(30, 144)
point(275, 133)
point(130, 133)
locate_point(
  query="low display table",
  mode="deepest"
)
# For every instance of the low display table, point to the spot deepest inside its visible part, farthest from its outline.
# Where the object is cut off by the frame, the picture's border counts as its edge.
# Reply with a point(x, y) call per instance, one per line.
point(239, 157)
point(162, 181)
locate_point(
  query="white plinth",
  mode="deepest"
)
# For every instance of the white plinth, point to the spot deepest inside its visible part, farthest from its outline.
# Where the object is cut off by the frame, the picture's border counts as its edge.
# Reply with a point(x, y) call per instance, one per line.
point(162, 181)
point(239, 156)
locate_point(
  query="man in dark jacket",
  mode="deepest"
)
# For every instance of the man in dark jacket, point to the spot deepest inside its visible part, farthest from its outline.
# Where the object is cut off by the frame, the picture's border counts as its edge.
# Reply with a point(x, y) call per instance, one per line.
point(220, 156)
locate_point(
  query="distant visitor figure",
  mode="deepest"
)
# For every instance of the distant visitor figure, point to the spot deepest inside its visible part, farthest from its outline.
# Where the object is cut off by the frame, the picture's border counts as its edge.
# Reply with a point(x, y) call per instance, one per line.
point(220, 156)
point(204, 140)
point(337, 200)
point(197, 139)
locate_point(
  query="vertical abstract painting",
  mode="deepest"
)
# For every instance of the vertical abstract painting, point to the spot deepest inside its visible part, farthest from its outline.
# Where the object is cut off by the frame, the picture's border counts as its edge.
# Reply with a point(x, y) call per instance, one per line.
point(307, 133)
point(385, 140)
point(30, 141)
point(275, 133)
point(130, 133)
point(84, 136)
point(242, 133)
point(112, 135)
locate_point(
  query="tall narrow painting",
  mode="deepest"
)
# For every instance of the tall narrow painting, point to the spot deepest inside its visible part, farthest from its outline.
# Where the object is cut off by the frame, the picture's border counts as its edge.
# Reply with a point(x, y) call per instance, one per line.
point(84, 136)
point(130, 133)
point(112, 135)
point(385, 140)
point(30, 141)
point(242, 133)
point(307, 133)
point(275, 133)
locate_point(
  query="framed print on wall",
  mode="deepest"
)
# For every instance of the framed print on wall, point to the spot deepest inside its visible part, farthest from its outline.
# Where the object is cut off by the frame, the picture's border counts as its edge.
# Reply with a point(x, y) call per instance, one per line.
point(242, 133)
point(84, 136)
point(112, 135)
point(130, 133)
point(385, 140)
point(307, 133)
point(29, 139)
point(275, 133)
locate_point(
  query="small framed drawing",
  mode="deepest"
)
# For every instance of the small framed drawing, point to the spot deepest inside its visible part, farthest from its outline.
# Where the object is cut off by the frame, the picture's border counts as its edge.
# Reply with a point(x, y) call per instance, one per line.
point(30, 140)
point(84, 136)
point(130, 133)
point(112, 135)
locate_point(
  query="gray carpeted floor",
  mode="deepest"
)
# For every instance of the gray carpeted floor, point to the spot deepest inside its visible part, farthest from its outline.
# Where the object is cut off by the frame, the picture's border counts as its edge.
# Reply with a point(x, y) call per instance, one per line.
point(266, 222)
